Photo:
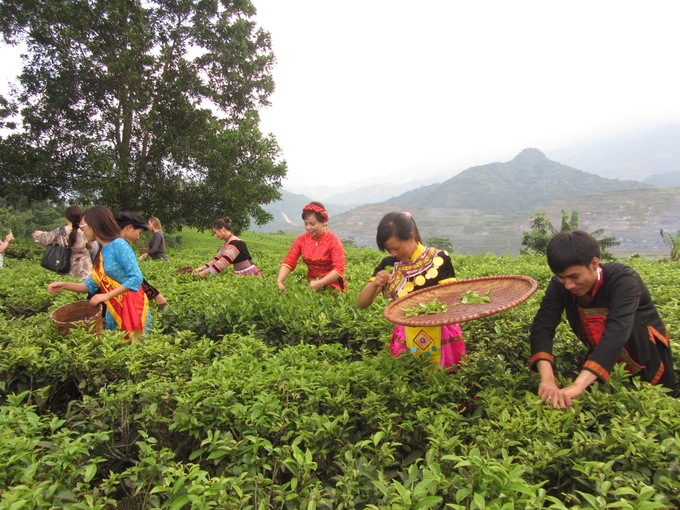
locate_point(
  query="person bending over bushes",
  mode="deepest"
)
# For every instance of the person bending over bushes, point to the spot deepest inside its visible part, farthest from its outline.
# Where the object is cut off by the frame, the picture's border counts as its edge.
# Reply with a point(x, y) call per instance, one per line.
point(609, 309)
point(233, 252)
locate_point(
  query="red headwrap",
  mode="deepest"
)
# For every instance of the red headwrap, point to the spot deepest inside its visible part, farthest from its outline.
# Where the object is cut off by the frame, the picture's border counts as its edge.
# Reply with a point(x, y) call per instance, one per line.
point(315, 208)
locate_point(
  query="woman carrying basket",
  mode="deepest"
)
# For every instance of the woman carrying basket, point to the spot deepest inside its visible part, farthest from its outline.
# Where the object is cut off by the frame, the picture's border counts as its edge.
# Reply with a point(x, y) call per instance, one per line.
point(115, 275)
point(413, 266)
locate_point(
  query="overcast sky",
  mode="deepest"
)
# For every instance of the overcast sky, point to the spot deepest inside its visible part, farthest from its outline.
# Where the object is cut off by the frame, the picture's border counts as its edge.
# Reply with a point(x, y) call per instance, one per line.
point(376, 88)
point(398, 90)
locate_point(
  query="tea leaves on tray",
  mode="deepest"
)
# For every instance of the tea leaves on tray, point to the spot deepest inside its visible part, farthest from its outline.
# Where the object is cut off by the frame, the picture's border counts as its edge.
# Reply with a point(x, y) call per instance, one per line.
point(471, 297)
point(429, 308)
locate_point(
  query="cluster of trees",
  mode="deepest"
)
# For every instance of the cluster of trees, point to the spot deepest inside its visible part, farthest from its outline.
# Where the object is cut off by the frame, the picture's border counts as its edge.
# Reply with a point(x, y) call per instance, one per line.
point(542, 230)
point(141, 106)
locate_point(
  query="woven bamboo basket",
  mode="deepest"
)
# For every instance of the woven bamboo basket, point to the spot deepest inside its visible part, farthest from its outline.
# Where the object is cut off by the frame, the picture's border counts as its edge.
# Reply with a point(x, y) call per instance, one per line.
point(79, 313)
point(507, 291)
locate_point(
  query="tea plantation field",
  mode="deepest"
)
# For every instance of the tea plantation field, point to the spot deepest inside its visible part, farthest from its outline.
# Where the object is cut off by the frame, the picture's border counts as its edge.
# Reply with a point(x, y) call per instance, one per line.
point(243, 397)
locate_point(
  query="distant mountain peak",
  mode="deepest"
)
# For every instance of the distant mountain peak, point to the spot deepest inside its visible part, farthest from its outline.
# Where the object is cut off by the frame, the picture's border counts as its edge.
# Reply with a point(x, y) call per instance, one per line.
point(526, 182)
point(530, 155)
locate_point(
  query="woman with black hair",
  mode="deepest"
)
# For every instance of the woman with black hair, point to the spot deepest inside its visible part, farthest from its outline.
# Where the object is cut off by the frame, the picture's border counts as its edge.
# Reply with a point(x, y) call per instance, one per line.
point(116, 279)
point(412, 266)
point(233, 252)
point(81, 263)
point(320, 249)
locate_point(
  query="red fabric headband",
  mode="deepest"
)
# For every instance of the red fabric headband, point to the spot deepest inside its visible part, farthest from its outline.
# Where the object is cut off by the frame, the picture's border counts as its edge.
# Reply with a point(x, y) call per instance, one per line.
point(315, 208)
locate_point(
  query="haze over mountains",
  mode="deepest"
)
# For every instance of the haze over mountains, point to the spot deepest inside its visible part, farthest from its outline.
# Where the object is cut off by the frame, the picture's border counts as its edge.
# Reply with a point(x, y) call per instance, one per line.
point(486, 208)
point(638, 155)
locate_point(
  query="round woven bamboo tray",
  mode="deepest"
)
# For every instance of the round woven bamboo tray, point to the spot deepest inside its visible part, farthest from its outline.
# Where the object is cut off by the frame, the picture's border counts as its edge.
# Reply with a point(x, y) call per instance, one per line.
point(507, 291)
point(79, 313)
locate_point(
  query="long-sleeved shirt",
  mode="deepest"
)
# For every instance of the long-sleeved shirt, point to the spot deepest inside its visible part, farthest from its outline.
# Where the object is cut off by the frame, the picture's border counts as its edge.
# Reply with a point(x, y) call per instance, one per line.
point(81, 262)
point(322, 254)
point(233, 252)
point(621, 323)
point(157, 246)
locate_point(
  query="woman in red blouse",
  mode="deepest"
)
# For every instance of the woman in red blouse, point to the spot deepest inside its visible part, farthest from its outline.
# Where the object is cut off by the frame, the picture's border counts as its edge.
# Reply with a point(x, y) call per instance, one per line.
point(321, 250)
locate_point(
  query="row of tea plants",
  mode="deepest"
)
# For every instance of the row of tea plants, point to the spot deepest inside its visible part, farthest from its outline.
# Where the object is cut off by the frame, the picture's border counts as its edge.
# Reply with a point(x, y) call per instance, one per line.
point(245, 397)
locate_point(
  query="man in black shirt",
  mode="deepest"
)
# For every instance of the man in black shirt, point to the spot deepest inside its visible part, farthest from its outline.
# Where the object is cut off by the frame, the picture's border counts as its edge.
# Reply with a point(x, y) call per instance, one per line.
point(608, 308)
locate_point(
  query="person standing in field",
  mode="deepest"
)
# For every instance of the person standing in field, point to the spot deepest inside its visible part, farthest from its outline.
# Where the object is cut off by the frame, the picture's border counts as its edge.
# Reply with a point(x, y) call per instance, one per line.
point(320, 249)
point(233, 252)
point(157, 242)
point(609, 309)
point(4, 245)
point(131, 227)
point(81, 262)
point(116, 279)
point(413, 266)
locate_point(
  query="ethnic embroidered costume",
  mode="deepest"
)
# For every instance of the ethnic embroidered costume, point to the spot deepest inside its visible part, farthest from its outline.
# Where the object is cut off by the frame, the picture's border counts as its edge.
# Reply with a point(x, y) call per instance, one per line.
point(428, 266)
point(621, 324)
point(322, 254)
point(116, 265)
point(233, 252)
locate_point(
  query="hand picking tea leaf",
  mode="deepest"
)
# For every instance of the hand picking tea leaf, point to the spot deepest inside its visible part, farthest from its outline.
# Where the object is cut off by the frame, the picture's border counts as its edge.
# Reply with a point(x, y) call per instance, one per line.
point(389, 269)
point(430, 308)
point(471, 297)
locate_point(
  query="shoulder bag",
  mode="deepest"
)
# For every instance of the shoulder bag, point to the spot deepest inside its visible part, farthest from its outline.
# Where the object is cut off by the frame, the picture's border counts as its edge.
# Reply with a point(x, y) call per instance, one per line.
point(57, 256)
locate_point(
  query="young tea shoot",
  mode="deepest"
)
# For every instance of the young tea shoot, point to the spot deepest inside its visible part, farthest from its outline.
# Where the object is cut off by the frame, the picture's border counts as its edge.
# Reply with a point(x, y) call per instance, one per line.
point(429, 308)
point(471, 297)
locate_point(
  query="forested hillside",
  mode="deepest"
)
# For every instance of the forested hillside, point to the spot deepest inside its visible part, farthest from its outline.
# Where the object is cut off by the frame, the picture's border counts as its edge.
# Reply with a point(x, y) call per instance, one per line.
point(487, 208)
point(527, 181)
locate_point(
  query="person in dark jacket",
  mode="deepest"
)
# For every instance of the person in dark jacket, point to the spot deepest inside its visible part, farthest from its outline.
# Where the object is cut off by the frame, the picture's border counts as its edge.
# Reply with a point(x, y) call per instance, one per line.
point(609, 309)
point(157, 242)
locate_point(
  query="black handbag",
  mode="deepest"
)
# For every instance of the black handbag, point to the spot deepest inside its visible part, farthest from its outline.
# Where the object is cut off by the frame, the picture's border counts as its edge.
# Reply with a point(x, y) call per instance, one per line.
point(57, 256)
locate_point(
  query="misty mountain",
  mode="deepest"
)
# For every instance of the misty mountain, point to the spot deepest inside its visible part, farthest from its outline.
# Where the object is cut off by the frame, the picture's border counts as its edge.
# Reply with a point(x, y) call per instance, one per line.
point(287, 213)
point(487, 208)
point(634, 216)
point(379, 192)
point(664, 180)
point(374, 189)
point(527, 181)
point(634, 155)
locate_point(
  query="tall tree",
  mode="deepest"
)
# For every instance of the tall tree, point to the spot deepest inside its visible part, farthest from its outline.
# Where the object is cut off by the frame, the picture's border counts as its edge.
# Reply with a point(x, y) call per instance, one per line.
point(536, 240)
point(149, 105)
point(542, 230)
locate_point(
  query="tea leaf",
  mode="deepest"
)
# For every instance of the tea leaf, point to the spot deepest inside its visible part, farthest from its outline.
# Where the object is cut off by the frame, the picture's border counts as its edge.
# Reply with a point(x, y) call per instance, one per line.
point(429, 308)
point(471, 297)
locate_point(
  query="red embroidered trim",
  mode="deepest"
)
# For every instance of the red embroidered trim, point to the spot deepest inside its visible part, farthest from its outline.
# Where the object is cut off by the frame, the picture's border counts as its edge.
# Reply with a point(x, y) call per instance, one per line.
point(599, 282)
point(654, 335)
point(595, 313)
point(658, 374)
point(597, 369)
point(631, 365)
point(541, 356)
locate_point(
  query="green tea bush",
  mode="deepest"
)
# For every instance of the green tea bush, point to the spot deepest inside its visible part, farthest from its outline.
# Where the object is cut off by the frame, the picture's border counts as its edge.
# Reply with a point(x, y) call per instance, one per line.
point(245, 397)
